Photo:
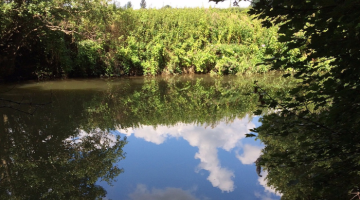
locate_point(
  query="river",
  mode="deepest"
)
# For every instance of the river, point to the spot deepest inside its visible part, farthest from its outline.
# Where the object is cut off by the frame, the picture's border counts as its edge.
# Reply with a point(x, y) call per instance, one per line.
point(173, 137)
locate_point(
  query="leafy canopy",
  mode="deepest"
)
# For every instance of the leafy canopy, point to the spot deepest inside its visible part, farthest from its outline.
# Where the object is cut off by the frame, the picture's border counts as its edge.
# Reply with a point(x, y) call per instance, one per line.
point(312, 140)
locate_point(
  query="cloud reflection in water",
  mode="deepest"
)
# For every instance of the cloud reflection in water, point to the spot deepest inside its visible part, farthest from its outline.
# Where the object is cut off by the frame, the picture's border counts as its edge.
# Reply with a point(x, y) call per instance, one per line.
point(143, 193)
point(208, 140)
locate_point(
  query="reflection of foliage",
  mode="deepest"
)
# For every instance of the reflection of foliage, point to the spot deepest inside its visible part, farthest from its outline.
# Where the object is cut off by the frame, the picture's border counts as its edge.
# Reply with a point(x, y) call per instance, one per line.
point(311, 147)
point(40, 161)
point(168, 101)
point(306, 161)
point(42, 156)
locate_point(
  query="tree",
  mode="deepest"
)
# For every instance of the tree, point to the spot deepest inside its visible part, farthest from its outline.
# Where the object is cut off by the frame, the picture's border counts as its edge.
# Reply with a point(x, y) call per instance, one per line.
point(143, 4)
point(254, 2)
point(325, 105)
point(319, 120)
point(305, 162)
point(43, 35)
point(166, 6)
point(128, 5)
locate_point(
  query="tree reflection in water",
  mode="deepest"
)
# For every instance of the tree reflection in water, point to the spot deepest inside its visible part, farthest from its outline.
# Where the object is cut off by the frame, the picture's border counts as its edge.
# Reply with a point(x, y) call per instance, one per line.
point(48, 156)
point(63, 149)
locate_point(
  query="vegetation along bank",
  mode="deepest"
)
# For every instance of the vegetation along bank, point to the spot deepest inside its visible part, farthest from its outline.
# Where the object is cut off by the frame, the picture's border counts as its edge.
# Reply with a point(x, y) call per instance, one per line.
point(90, 39)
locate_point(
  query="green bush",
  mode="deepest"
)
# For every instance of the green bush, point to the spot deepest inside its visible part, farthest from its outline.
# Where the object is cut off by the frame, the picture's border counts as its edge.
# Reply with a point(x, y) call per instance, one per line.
point(111, 41)
point(88, 58)
point(221, 41)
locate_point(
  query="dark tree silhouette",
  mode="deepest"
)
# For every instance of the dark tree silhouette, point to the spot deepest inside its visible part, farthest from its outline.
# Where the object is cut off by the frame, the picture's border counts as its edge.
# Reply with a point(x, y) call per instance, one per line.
point(143, 4)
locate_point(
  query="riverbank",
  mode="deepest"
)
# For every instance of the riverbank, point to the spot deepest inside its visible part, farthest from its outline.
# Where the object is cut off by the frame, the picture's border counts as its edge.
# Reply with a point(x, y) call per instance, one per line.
point(125, 42)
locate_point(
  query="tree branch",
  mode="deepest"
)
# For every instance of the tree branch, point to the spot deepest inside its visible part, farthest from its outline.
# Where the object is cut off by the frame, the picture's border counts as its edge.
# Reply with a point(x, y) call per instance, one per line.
point(31, 104)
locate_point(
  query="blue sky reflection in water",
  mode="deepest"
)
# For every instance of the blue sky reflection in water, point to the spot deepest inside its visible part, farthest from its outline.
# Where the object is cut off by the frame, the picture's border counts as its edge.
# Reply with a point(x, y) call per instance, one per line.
point(191, 161)
point(198, 149)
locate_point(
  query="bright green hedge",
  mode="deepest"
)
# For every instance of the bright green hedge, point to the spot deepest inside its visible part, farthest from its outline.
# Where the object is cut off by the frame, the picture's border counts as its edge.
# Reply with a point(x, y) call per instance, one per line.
point(221, 41)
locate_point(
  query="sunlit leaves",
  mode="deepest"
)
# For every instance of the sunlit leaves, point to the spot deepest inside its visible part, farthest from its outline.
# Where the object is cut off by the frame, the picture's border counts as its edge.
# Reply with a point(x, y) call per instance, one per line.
point(194, 40)
point(310, 142)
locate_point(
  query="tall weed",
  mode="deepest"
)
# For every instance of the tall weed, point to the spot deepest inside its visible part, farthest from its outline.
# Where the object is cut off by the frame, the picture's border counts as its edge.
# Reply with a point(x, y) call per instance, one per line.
point(220, 41)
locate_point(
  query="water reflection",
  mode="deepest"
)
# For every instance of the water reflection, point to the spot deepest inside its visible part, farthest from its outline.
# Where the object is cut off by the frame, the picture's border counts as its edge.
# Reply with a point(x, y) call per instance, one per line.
point(143, 193)
point(263, 182)
point(37, 163)
point(49, 155)
point(66, 148)
point(207, 140)
point(251, 153)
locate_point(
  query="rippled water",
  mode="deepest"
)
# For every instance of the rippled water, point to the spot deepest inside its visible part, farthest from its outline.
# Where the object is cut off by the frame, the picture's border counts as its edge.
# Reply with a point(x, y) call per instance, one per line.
point(185, 138)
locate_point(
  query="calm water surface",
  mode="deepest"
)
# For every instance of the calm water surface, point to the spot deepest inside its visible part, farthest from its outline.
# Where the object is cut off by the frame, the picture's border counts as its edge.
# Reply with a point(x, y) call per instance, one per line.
point(185, 139)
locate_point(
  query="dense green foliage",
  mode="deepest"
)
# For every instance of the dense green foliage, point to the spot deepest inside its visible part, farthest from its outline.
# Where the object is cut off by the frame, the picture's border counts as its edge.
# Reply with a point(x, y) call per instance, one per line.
point(312, 141)
point(80, 38)
point(194, 40)
point(307, 161)
point(50, 38)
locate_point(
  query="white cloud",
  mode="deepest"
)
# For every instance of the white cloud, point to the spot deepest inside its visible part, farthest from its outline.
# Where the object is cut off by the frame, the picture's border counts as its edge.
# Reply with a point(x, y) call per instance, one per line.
point(263, 182)
point(208, 140)
point(142, 193)
point(266, 196)
point(250, 154)
point(149, 134)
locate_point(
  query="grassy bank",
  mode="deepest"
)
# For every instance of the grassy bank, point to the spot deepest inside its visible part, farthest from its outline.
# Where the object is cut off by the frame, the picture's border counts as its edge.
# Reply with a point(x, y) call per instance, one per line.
point(97, 40)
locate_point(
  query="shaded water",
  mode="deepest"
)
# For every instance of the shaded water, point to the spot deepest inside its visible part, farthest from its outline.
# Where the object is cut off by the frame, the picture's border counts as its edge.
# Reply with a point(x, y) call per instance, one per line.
point(185, 138)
